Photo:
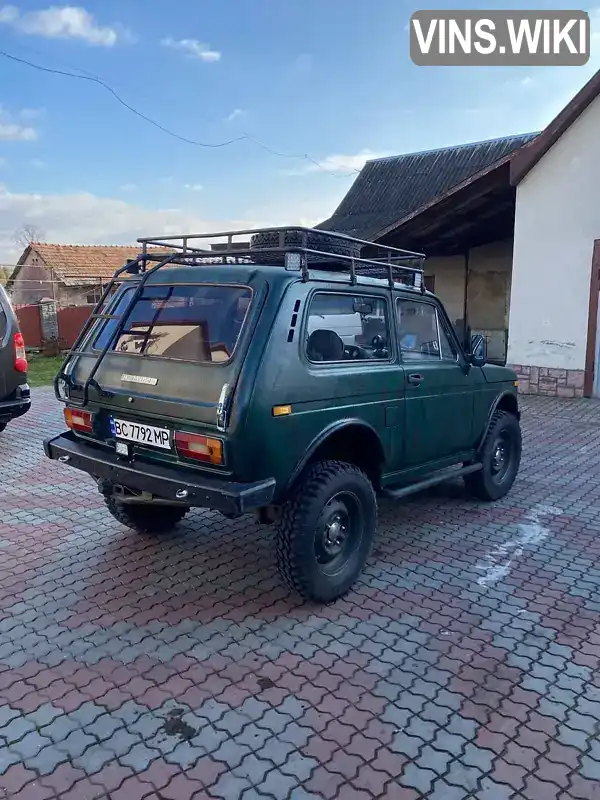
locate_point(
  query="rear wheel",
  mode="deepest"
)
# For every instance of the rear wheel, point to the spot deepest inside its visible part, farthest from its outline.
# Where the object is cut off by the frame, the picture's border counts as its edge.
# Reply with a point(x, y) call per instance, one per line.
point(146, 518)
point(500, 457)
point(326, 531)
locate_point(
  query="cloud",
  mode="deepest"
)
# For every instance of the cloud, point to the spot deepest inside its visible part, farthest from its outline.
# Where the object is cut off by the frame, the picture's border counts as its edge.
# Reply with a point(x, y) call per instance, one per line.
point(193, 187)
point(84, 218)
point(65, 22)
point(29, 114)
point(339, 163)
point(192, 48)
point(37, 163)
point(11, 130)
point(237, 112)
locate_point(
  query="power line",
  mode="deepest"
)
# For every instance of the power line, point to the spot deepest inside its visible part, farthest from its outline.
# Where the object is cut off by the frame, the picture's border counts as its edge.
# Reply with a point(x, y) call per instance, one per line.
point(87, 76)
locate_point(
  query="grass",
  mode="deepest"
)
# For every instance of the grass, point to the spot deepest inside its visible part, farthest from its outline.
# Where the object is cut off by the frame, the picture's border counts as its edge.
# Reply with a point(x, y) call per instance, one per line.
point(41, 370)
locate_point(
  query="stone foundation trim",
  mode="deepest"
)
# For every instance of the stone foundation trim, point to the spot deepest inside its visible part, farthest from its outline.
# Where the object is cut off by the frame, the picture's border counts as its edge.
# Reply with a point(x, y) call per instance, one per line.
point(549, 382)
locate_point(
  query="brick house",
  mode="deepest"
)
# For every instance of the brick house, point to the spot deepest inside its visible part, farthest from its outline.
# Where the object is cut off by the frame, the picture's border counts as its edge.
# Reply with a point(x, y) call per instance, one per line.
point(72, 275)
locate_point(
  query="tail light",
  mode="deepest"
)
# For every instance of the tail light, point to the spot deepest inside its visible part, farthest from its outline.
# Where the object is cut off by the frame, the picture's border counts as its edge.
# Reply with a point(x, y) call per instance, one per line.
point(79, 420)
point(200, 448)
point(20, 355)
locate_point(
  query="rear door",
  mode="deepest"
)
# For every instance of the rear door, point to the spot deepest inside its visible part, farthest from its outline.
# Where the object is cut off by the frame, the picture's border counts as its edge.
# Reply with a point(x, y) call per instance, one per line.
point(180, 345)
point(439, 385)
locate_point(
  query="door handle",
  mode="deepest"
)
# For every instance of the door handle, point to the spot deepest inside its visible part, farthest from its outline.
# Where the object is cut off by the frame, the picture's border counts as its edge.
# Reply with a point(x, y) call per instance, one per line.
point(415, 379)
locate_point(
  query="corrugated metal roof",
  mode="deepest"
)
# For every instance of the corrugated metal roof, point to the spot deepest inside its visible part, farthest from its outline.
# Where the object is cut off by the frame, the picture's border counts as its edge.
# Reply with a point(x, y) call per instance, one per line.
point(388, 189)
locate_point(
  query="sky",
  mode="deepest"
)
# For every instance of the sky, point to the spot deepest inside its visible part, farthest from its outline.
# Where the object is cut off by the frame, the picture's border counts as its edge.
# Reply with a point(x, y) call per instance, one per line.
point(271, 82)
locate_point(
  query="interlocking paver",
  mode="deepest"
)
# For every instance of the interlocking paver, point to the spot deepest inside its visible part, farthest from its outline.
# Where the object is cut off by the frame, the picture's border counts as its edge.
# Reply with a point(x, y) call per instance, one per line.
point(181, 667)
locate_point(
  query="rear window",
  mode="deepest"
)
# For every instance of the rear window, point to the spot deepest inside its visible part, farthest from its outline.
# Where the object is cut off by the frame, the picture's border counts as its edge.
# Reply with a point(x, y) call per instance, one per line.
point(199, 323)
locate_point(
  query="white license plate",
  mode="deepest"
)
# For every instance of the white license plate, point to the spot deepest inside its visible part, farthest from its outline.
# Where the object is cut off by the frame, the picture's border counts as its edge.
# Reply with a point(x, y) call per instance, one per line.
point(142, 434)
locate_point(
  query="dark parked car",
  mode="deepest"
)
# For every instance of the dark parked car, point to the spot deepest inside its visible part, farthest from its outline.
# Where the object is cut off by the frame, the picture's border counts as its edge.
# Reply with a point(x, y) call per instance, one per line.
point(293, 378)
point(14, 391)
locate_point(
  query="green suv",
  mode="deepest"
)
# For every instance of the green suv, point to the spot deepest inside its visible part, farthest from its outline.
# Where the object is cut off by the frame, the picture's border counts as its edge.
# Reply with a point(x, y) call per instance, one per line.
point(297, 375)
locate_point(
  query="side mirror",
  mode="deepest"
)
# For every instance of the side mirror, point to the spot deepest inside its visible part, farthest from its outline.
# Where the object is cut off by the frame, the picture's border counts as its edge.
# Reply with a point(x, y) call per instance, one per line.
point(478, 351)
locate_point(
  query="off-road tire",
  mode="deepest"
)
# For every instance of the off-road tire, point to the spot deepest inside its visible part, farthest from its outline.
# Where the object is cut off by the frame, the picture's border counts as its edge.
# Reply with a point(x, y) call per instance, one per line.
point(146, 518)
point(482, 484)
point(314, 241)
point(296, 530)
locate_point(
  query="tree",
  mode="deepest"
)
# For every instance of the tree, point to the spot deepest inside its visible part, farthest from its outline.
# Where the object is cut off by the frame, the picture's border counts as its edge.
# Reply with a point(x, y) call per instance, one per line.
point(27, 234)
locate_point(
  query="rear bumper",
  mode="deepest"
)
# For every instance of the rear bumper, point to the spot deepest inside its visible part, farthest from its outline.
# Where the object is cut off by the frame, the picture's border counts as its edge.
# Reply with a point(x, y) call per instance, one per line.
point(18, 405)
point(165, 482)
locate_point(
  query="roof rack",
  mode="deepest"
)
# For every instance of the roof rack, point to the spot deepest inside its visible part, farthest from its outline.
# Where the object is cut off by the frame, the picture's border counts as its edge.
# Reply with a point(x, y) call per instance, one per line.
point(295, 248)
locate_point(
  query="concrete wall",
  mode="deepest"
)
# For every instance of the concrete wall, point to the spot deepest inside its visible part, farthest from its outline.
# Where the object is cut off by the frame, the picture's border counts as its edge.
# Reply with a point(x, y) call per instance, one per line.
point(557, 220)
point(488, 289)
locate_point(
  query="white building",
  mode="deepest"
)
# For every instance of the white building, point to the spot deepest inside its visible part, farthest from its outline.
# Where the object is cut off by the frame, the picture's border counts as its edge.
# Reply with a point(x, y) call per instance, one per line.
point(511, 228)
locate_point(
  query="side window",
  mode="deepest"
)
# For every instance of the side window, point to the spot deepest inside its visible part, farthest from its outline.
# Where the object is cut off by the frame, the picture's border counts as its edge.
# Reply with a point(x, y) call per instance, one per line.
point(346, 327)
point(3, 323)
point(420, 334)
point(449, 351)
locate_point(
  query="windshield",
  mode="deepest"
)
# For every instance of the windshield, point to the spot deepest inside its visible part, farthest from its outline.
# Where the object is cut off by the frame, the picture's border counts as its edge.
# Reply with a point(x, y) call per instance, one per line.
point(199, 323)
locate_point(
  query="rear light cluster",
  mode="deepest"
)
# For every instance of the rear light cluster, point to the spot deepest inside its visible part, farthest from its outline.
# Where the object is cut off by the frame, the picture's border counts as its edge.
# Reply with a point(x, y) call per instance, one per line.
point(188, 445)
point(200, 448)
point(79, 420)
point(20, 355)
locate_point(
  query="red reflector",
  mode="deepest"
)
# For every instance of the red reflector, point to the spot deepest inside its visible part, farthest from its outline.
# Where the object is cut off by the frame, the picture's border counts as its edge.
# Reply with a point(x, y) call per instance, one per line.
point(20, 363)
point(201, 448)
point(79, 420)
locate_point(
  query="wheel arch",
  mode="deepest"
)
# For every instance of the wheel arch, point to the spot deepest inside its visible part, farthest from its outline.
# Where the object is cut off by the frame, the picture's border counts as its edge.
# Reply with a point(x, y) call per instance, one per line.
point(506, 401)
point(352, 440)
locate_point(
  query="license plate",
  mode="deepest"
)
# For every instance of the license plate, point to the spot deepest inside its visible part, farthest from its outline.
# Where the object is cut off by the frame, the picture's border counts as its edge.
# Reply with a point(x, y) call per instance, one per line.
point(142, 434)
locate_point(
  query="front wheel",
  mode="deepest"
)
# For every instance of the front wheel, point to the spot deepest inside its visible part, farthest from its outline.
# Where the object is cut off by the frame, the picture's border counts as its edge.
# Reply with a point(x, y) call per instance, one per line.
point(146, 518)
point(500, 458)
point(326, 531)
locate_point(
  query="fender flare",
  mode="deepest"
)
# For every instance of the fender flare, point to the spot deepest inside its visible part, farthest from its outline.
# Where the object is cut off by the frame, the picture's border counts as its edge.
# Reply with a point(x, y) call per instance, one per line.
point(492, 411)
point(322, 437)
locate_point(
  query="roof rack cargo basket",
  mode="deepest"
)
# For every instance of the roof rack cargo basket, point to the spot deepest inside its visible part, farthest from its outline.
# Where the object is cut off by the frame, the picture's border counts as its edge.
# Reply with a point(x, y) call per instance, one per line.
point(295, 248)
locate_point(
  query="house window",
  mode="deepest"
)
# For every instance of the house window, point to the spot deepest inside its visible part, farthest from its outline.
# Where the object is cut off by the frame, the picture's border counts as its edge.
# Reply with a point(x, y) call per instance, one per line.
point(93, 297)
point(346, 327)
point(421, 334)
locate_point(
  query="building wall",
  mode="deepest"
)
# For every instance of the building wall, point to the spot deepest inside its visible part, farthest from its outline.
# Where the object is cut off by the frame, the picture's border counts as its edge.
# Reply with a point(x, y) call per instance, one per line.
point(488, 289)
point(33, 283)
point(557, 220)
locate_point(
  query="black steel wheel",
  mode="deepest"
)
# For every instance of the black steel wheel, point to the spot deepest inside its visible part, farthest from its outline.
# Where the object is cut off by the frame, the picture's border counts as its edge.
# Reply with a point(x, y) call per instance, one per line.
point(145, 518)
point(500, 459)
point(326, 531)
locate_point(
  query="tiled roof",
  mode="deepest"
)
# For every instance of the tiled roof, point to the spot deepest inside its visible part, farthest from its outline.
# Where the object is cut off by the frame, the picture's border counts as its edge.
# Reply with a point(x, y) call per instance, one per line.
point(81, 264)
point(388, 189)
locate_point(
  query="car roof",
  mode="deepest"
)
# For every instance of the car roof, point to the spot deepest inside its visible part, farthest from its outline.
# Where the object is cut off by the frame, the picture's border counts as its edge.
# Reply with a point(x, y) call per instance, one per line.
point(275, 275)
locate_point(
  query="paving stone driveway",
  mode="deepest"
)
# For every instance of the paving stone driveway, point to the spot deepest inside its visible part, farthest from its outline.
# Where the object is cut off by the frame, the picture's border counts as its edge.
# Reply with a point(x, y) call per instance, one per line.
point(466, 664)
